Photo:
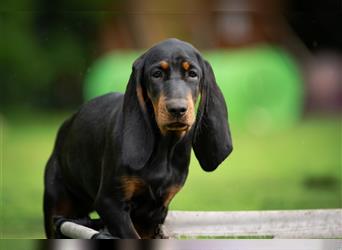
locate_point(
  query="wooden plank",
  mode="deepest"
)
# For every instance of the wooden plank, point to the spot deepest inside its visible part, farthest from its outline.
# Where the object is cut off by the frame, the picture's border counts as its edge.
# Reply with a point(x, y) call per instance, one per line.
point(323, 223)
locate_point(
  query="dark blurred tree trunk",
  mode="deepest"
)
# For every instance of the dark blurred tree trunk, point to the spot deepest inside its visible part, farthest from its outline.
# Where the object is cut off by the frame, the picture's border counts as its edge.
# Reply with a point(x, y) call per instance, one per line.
point(140, 24)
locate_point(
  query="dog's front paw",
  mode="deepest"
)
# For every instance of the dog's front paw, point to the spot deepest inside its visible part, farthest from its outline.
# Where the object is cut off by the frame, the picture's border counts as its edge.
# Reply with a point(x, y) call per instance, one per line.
point(160, 232)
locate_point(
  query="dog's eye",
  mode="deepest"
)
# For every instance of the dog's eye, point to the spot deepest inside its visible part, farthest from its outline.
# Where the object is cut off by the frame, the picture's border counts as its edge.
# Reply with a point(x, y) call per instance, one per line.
point(157, 74)
point(192, 74)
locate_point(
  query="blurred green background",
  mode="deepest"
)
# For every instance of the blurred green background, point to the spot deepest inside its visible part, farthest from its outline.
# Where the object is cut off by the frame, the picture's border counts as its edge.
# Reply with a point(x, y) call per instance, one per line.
point(296, 168)
point(284, 109)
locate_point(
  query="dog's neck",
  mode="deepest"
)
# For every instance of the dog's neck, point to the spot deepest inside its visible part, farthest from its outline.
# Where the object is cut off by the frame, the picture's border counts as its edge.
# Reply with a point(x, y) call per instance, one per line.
point(170, 140)
point(170, 155)
point(167, 147)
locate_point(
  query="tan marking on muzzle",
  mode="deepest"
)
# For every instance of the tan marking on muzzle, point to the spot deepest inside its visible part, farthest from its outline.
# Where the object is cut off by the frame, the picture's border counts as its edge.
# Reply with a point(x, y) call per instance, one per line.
point(161, 113)
point(190, 115)
point(163, 117)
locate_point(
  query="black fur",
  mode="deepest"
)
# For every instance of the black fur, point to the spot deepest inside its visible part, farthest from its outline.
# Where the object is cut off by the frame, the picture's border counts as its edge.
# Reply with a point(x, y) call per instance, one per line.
point(115, 136)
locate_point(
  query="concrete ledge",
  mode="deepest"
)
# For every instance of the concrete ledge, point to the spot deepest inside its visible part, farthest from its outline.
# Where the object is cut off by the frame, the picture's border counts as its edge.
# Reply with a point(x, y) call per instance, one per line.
point(309, 224)
point(291, 224)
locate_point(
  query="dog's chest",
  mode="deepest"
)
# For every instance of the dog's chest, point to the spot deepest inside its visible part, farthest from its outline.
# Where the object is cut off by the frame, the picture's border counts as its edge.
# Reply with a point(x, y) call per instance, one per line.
point(135, 187)
point(158, 182)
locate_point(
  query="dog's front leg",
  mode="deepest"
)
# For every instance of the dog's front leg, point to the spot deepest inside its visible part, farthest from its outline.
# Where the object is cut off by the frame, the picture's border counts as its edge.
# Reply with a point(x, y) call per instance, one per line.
point(115, 215)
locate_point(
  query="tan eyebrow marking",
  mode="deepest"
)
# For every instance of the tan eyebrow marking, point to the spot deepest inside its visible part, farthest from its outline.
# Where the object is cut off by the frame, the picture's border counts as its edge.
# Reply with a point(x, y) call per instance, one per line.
point(164, 65)
point(185, 65)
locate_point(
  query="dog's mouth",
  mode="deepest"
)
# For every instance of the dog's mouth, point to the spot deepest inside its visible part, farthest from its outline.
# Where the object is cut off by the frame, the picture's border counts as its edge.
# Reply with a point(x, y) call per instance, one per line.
point(177, 126)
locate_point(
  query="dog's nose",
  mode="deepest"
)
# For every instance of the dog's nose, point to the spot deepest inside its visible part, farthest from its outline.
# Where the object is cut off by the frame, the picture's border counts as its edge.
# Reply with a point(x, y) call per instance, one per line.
point(177, 107)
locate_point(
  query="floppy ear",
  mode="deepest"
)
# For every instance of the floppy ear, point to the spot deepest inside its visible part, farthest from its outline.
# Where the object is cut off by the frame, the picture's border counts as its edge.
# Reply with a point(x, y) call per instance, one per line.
point(138, 137)
point(212, 141)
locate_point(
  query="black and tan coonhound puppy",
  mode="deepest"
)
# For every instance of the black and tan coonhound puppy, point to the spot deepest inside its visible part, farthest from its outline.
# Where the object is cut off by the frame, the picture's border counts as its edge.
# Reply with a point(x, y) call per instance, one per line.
point(127, 155)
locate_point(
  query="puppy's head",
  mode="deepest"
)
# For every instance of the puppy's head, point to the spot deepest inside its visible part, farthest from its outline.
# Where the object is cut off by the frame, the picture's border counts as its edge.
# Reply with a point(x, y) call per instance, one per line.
point(166, 82)
point(171, 78)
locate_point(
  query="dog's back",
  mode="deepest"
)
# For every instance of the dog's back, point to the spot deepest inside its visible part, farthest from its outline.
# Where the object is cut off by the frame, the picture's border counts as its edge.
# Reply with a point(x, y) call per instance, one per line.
point(73, 172)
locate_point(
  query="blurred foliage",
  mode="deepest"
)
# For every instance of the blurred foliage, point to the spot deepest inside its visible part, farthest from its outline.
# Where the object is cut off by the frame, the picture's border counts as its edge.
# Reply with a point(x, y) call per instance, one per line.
point(44, 52)
point(296, 168)
point(11, 244)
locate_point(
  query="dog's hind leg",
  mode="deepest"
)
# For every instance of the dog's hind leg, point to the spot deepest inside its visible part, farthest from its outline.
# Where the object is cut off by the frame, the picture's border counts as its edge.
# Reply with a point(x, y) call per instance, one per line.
point(58, 202)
